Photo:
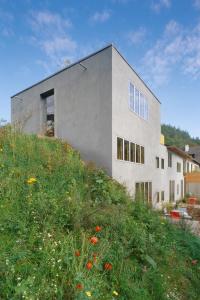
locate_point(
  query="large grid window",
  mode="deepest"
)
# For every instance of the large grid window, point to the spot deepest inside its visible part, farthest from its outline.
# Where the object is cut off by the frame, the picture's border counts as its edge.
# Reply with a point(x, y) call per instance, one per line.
point(137, 102)
point(143, 191)
point(119, 148)
point(129, 151)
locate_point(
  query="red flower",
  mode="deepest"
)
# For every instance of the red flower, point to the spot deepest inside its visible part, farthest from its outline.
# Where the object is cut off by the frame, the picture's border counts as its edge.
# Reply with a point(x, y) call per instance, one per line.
point(79, 286)
point(77, 253)
point(194, 261)
point(89, 265)
point(108, 266)
point(98, 228)
point(94, 240)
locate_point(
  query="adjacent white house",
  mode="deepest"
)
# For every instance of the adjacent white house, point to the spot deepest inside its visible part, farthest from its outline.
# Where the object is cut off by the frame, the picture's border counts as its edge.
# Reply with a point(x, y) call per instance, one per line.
point(104, 109)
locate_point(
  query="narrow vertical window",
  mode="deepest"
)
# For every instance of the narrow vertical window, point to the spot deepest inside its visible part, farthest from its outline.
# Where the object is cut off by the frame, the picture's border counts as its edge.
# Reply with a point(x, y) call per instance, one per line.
point(158, 197)
point(163, 195)
point(131, 96)
point(169, 159)
point(162, 163)
point(137, 101)
point(138, 154)
point(142, 115)
point(132, 150)
point(142, 155)
point(157, 162)
point(126, 150)
point(119, 148)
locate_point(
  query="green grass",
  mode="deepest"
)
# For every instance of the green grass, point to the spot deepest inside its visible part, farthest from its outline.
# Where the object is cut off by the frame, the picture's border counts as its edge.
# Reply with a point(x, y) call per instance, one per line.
point(43, 224)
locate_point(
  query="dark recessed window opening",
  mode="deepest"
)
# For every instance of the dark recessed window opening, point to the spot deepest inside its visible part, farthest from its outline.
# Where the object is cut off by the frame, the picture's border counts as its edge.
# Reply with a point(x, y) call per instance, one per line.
point(48, 98)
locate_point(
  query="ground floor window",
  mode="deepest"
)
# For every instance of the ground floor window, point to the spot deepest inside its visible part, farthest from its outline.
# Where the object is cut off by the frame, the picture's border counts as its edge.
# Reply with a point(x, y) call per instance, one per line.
point(143, 190)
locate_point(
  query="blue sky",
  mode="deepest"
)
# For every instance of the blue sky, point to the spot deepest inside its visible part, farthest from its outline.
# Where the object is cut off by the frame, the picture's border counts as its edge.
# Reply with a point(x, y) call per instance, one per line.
point(159, 38)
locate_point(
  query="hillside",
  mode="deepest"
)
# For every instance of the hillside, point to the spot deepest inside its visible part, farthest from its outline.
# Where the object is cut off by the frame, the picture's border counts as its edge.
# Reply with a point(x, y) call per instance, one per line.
point(67, 231)
point(177, 137)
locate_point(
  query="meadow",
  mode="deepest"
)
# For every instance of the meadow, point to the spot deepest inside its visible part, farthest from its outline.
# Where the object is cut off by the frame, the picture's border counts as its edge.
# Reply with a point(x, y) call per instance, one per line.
point(68, 231)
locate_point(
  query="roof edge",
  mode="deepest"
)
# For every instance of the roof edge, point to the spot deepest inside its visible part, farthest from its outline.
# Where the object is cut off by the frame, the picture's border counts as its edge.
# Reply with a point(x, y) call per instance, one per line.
point(136, 73)
point(63, 69)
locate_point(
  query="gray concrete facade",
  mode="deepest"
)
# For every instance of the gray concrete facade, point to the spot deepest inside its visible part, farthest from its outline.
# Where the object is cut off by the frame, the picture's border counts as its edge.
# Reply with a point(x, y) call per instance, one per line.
point(91, 100)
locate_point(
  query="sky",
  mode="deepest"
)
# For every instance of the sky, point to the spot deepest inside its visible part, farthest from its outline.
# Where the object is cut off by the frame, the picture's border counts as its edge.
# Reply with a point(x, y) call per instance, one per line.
point(159, 38)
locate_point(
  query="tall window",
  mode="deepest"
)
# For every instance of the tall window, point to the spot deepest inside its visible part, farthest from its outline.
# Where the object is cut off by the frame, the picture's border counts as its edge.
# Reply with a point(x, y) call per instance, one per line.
point(163, 195)
point(126, 150)
point(169, 159)
point(132, 150)
point(119, 148)
point(138, 154)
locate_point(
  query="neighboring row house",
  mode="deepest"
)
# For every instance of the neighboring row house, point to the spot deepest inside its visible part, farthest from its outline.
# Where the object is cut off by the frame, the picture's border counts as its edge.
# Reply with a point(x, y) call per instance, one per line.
point(105, 110)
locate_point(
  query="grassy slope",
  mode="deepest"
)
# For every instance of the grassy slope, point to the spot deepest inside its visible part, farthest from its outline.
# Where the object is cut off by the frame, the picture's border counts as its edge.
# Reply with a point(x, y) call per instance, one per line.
point(43, 224)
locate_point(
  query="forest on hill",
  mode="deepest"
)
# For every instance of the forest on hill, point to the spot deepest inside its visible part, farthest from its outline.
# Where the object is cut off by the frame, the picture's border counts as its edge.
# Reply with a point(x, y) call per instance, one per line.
point(177, 137)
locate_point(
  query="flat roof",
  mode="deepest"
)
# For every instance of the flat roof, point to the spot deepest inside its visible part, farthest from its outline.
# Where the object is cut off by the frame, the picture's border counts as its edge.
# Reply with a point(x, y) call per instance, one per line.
point(81, 60)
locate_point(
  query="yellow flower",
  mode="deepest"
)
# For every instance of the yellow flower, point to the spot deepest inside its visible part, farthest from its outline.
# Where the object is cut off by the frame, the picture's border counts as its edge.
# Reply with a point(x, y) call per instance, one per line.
point(88, 293)
point(31, 180)
point(1, 150)
point(115, 293)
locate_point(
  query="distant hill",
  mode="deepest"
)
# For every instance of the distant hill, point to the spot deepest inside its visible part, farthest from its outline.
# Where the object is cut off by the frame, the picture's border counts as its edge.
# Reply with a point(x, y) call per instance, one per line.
point(177, 137)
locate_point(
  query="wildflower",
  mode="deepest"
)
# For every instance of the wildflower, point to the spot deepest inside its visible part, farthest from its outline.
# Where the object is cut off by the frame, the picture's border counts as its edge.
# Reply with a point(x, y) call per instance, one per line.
point(108, 266)
point(94, 257)
point(88, 293)
point(77, 253)
point(79, 286)
point(1, 150)
point(89, 265)
point(98, 228)
point(94, 240)
point(115, 293)
point(194, 261)
point(31, 180)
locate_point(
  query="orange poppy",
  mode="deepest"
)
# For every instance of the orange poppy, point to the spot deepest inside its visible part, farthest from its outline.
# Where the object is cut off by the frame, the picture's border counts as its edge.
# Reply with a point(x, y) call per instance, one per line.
point(94, 240)
point(77, 253)
point(108, 266)
point(89, 265)
point(98, 228)
point(79, 286)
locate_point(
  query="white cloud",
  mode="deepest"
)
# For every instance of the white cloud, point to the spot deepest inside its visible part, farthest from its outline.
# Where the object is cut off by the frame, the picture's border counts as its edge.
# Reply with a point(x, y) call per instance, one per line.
point(6, 23)
point(196, 4)
point(178, 48)
point(157, 5)
point(137, 36)
point(50, 33)
point(101, 16)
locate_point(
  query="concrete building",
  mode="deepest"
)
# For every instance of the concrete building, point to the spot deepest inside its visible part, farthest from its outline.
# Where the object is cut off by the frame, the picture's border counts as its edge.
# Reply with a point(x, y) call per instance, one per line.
point(105, 110)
